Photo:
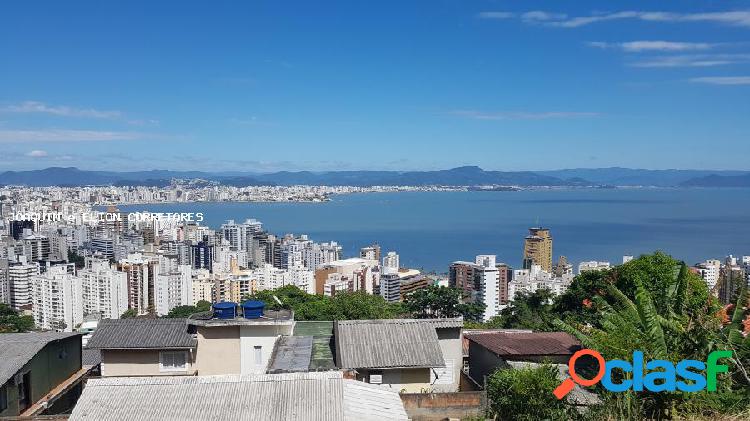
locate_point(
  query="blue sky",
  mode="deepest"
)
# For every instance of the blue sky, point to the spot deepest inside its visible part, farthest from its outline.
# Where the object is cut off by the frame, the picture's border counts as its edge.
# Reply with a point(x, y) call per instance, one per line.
point(270, 85)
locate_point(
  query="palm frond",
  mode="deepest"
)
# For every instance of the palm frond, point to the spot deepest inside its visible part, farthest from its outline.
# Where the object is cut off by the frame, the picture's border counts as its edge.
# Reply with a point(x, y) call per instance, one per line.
point(649, 320)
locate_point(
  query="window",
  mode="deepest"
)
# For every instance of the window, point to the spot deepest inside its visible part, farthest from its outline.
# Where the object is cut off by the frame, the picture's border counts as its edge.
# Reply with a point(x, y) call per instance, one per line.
point(376, 377)
point(258, 355)
point(173, 361)
point(3, 398)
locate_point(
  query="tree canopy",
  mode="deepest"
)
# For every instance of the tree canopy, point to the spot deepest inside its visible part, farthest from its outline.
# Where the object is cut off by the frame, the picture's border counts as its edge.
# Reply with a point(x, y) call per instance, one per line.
point(183, 312)
point(12, 322)
point(441, 302)
point(343, 306)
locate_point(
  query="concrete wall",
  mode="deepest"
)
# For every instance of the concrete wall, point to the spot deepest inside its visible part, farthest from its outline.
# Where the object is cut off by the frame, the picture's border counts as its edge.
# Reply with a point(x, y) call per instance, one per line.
point(440, 406)
point(218, 350)
point(407, 380)
point(55, 363)
point(261, 336)
point(482, 363)
point(451, 345)
point(138, 362)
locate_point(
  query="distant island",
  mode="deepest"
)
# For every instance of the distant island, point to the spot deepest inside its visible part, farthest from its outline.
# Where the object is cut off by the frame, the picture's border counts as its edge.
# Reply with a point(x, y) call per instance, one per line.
point(468, 176)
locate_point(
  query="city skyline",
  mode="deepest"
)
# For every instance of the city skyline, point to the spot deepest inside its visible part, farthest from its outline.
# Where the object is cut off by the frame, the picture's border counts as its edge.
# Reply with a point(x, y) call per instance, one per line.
point(254, 88)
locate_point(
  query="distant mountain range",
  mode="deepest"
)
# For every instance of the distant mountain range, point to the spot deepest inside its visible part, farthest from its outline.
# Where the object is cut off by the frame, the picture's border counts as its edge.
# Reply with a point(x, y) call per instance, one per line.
point(462, 176)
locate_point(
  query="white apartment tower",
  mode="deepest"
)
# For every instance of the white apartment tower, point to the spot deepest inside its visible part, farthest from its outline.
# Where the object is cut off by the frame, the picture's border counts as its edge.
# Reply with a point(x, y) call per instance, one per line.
point(489, 282)
point(104, 290)
point(57, 303)
point(19, 283)
point(390, 263)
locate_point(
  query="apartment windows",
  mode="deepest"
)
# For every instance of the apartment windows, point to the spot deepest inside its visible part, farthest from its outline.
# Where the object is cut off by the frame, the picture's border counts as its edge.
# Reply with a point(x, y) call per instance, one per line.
point(173, 361)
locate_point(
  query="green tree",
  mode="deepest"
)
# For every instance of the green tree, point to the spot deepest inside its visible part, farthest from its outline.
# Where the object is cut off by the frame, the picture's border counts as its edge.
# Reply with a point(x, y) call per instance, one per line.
point(441, 302)
point(183, 312)
point(351, 306)
point(528, 310)
point(76, 258)
point(683, 325)
point(525, 395)
point(11, 321)
point(129, 314)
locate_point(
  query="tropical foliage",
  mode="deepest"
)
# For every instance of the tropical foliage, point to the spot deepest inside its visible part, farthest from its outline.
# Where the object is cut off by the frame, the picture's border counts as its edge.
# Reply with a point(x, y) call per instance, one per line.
point(11, 321)
point(653, 304)
point(524, 395)
point(183, 312)
point(441, 302)
point(343, 306)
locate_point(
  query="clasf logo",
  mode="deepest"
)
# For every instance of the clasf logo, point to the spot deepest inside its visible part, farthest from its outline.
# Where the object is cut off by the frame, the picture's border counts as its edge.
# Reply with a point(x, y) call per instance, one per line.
point(665, 379)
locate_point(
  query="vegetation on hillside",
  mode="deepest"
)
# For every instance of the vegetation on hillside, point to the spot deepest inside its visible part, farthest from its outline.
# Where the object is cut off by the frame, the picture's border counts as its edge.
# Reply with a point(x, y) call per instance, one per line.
point(653, 304)
point(12, 321)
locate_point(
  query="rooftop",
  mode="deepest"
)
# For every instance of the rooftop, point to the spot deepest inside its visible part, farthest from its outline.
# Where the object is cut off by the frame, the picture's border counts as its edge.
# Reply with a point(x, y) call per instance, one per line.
point(142, 334)
point(296, 396)
point(391, 343)
point(510, 344)
point(16, 349)
point(285, 317)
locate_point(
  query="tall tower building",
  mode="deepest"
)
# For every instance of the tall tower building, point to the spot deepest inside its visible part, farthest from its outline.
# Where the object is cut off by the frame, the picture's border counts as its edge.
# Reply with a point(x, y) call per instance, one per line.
point(537, 249)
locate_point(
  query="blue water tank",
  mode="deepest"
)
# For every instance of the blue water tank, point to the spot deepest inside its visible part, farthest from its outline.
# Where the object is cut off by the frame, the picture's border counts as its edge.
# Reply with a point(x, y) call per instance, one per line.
point(253, 309)
point(225, 310)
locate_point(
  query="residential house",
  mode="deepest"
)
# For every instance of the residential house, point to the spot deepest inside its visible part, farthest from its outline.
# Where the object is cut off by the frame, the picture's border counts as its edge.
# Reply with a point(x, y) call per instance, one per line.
point(410, 355)
point(40, 373)
point(492, 350)
point(238, 345)
point(144, 347)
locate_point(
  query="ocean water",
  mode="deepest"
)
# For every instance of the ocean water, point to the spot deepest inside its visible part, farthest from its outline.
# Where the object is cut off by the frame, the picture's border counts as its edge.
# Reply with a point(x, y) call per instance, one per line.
point(429, 230)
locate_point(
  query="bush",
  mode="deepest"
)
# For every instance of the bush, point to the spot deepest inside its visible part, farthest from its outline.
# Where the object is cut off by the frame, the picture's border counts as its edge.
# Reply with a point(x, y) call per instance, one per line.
point(526, 394)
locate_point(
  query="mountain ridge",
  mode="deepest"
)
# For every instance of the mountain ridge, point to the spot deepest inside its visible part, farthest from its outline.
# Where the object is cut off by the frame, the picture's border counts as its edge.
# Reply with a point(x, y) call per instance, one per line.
point(459, 176)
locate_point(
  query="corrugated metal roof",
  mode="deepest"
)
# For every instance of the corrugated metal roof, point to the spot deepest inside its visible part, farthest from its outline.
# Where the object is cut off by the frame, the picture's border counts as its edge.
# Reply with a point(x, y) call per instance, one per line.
point(142, 334)
point(387, 343)
point(91, 357)
point(16, 349)
point(509, 344)
point(294, 396)
point(291, 355)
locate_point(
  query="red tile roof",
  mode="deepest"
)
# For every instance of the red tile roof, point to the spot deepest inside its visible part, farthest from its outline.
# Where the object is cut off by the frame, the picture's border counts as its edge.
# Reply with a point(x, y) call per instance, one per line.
point(527, 343)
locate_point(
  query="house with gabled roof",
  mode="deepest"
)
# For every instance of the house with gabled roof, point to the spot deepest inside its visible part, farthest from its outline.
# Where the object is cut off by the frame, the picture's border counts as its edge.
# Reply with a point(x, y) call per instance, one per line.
point(144, 347)
point(408, 355)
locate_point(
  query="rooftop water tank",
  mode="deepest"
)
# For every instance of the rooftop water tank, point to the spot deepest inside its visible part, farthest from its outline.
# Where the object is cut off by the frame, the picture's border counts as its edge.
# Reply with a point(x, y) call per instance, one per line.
point(225, 310)
point(253, 309)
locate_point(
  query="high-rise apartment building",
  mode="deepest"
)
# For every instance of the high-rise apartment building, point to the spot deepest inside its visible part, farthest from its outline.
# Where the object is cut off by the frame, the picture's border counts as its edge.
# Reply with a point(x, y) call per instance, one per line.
point(19, 283)
point(709, 271)
point(56, 299)
point(390, 263)
point(141, 276)
point(202, 255)
point(370, 252)
point(537, 249)
point(104, 290)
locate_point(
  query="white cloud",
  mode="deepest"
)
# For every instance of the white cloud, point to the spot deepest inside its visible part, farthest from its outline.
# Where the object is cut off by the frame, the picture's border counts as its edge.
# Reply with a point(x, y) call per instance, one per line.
point(28, 107)
point(496, 15)
point(641, 46)
point(538, 15)
point(54, 135)
point(723, 80)
point(732, 18)
point(692, 60)
point(520, 115)
point(37, 153)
